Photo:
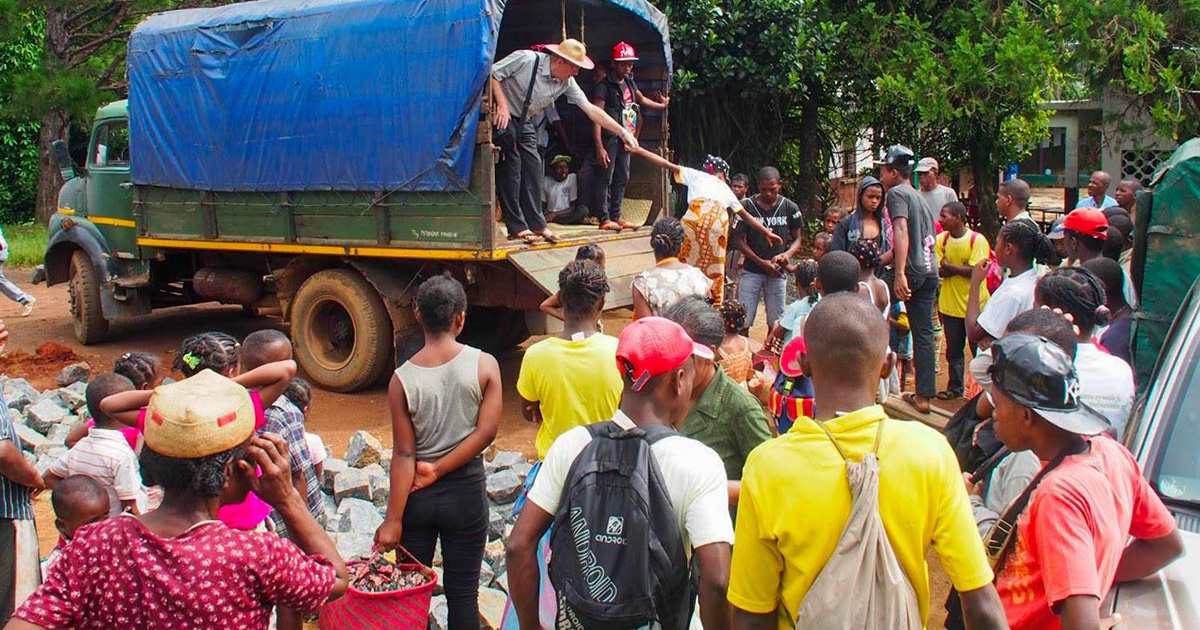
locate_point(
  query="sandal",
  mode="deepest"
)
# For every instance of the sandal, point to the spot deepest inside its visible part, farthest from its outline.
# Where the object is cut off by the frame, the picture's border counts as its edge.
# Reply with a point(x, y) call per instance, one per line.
point(947, 395)
point(625, 225)
point(611, 226)
point(525, 235)
point(911, 399)
point(550, 237)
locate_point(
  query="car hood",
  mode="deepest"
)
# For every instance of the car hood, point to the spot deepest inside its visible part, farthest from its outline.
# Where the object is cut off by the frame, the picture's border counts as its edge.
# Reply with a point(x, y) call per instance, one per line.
point(1168, 600)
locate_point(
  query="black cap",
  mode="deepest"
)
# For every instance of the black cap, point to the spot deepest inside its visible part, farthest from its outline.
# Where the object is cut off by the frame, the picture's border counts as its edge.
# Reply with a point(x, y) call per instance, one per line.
point(1037, 373)
point(897, 155)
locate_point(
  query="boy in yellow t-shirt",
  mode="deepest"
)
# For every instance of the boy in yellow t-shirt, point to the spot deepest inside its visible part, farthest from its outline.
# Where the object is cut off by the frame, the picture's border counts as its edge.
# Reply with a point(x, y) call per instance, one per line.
point(958, 249)
point(795, 499)
point(571, 379)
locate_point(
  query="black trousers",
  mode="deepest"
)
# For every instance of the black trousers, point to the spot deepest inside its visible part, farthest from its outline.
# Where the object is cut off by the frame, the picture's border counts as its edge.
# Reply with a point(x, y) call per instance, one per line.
point(603, 189)
point(455, 509)
point(955, 329)
point(519, 182)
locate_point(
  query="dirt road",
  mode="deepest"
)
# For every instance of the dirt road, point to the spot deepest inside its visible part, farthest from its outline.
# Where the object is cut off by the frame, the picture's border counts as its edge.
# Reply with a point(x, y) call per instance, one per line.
point(334, 416)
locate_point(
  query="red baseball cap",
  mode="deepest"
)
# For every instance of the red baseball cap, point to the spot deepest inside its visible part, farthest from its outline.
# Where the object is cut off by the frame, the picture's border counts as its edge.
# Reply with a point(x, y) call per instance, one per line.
point(652, 346)
point(624, 52)
point(1088, 222)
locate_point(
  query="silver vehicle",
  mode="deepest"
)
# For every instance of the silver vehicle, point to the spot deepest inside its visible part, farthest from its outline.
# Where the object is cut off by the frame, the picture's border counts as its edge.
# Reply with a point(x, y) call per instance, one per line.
point(1164, 436)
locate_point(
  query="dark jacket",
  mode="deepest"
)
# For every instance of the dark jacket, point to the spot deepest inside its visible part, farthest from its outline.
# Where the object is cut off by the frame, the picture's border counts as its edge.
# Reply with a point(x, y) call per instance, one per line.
point(849, 229)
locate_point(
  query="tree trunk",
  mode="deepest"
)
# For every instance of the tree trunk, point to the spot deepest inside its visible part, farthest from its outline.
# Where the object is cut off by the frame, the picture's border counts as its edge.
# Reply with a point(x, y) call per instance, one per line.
point(984, 173)
point(55, 124)
point(808, 187)
point(54, 127)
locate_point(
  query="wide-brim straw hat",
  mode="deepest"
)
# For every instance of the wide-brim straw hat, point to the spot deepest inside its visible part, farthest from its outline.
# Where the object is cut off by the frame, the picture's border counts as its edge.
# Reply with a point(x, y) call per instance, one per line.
point(573, 52)
point(199, 416)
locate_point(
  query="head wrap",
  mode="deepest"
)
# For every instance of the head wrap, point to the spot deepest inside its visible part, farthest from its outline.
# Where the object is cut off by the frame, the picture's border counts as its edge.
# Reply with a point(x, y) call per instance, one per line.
point(713, 165)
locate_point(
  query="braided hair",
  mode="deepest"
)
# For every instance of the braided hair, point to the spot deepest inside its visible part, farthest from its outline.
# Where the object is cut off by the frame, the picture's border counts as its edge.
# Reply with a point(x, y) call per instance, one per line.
point(299, 391)
point(666, 239)
point(214, 351)
point(867, 253)
point(590, 252)
point(806, 275)
point(1076, 291)
point(139, 367)
point(582, 285)
point(733, 313)
point(1032, 246)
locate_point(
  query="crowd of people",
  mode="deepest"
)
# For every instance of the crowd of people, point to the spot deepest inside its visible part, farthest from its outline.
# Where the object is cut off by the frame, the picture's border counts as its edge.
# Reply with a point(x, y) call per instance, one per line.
point(684, 475)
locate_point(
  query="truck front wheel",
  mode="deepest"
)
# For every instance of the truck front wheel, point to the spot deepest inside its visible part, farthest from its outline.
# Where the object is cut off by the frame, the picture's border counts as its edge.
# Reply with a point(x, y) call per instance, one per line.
point(83, 291)
point(341, 330)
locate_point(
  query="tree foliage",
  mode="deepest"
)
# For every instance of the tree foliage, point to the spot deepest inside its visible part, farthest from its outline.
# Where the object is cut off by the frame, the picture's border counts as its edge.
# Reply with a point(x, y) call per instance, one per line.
point(753, 80)
point(18, 135)
point(974, 76)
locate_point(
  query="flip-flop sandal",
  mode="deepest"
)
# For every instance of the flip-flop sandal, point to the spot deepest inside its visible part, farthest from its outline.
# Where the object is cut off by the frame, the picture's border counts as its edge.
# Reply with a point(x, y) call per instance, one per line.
point(625, 225)
point(911, 399)
point(947, 395)
point(550, 237)
point(611, 226)
point(529, 237)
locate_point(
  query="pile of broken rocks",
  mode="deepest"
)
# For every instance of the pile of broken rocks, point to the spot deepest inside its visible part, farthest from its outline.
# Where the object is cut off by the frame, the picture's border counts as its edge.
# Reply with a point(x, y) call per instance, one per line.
point(356, 492)
point(355, 488)
point(44, 419)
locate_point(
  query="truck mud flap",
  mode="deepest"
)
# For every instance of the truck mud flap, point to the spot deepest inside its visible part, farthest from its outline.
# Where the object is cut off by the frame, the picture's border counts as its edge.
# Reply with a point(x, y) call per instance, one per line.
point(625, 259)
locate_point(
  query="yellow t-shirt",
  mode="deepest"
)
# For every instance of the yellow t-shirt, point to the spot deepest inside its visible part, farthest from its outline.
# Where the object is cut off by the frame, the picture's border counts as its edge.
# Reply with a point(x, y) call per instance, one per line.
point(575, 382)
point(960, 251)
point(795, 501)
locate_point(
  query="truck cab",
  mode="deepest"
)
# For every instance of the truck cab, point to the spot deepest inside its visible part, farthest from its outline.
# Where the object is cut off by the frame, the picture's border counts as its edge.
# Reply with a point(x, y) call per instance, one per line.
point(92, 241)
point(319, 199)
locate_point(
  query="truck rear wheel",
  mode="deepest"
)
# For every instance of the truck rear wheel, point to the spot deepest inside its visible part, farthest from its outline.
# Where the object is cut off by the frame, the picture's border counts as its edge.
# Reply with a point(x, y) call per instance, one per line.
point(83, 291)
point(341, 330)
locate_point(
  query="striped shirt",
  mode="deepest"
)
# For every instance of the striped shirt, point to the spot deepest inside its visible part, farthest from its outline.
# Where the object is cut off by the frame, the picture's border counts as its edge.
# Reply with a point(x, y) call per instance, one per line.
point(105, 456)
point(15, 503)
point(287, 421)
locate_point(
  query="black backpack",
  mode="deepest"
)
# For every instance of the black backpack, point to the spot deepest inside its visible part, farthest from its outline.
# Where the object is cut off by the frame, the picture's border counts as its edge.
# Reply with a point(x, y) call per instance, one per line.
point(616, 553)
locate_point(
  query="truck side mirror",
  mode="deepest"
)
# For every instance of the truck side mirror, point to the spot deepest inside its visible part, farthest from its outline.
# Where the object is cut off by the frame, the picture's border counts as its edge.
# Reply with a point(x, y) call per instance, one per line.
point(62, 158)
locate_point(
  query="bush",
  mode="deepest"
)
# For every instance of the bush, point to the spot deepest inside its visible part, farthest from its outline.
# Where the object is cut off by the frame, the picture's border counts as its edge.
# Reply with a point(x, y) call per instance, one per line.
point(26, 243)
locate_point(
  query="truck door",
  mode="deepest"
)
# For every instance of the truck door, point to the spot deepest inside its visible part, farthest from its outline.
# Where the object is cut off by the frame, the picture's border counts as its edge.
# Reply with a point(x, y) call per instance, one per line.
point(109, 191)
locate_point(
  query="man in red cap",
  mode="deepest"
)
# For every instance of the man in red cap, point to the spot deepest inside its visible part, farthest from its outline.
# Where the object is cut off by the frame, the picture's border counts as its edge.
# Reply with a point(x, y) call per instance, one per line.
point(524, 84)
point(1084, 232)
point(606, 170)
point(654, 356)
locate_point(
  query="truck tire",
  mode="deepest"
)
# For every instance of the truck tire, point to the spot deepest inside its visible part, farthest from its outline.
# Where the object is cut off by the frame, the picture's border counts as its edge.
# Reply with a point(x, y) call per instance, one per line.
point(341, 330)
point(83, 292)
point(494, 329)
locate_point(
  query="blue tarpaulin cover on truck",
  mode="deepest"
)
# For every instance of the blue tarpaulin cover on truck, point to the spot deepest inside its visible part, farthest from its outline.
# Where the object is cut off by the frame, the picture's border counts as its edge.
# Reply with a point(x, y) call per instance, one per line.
point(280, 95)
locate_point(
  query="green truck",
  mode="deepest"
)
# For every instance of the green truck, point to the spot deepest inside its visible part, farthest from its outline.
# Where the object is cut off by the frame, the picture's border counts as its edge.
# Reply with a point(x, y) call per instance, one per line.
point(337, 263)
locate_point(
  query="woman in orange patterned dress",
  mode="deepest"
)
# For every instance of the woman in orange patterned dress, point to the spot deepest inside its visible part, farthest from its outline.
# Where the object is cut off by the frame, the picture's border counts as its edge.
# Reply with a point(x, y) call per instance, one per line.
point(706, 222)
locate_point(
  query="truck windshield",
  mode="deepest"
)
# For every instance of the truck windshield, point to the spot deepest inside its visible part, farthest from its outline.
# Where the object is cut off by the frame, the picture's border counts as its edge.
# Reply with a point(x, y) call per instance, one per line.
point(1177, 475)
point(112, 145)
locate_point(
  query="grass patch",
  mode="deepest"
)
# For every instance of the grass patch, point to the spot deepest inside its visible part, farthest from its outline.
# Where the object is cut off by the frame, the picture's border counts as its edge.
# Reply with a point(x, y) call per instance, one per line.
point(26, 243)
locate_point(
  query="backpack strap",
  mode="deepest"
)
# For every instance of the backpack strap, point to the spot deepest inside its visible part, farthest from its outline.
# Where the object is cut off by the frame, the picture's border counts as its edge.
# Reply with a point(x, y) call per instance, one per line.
point(611, 429)
point(655, 433)
point(537, 61)
point(1003, 538)
point(828, 434)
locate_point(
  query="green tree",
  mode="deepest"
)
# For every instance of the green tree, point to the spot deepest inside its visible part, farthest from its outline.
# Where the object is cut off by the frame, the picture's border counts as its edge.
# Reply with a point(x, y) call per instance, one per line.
point(18, 137)
point(754, 83)
point(82, 66)
point(1149, 50)
point(970, 77)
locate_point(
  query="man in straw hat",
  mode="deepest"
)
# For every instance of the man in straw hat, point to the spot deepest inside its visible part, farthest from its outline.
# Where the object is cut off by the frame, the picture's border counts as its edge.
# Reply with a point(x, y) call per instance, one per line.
point(524, 84)
point(177, 563)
